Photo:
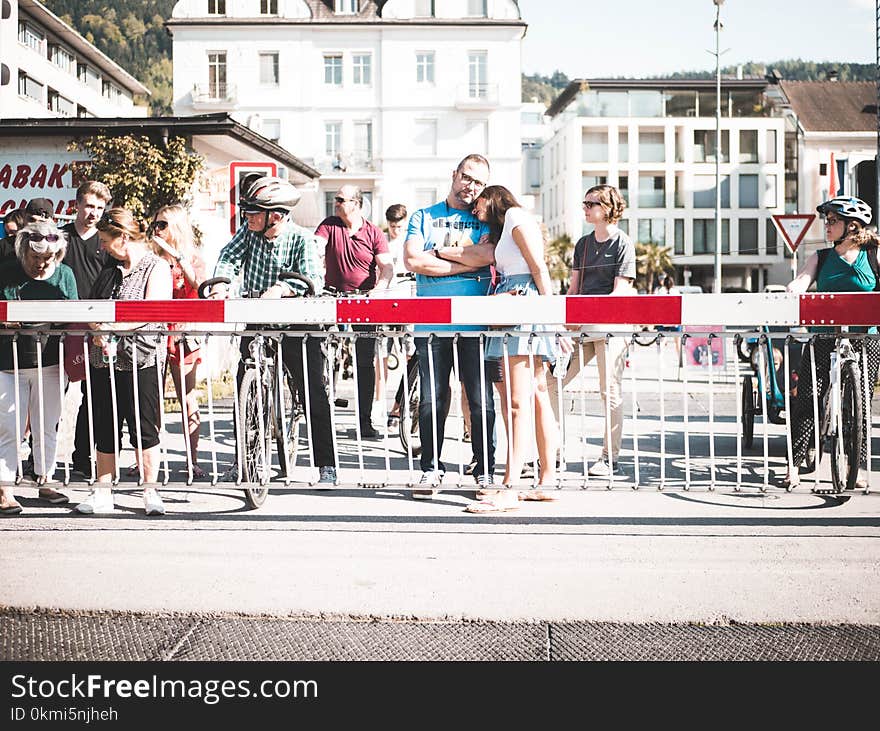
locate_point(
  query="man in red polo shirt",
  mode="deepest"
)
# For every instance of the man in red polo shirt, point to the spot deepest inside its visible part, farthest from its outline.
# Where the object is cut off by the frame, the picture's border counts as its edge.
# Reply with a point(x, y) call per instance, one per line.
point(356, 257)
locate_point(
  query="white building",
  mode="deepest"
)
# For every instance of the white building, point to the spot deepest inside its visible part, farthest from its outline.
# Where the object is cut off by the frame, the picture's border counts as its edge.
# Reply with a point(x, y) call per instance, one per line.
point(535, 131)
point(50, 70)
point(831, 146)
point(385, 95)
point(655, 140)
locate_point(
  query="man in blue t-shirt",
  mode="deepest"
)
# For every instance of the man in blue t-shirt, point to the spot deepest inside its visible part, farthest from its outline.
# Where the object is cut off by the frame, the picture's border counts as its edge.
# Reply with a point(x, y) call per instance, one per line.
point(451, 223)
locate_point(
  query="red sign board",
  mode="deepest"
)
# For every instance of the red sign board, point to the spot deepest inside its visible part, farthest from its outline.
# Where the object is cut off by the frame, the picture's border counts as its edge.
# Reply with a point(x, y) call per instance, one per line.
point(793, 227)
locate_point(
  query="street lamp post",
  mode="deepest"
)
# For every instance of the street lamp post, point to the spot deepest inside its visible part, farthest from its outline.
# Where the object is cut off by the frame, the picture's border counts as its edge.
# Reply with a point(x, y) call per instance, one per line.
point(717, 286)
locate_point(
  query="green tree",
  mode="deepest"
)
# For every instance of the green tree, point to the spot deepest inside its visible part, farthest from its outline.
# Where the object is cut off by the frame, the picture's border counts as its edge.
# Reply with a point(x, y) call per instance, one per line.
point(651, 260)
point(141, 174)
point(559, 254)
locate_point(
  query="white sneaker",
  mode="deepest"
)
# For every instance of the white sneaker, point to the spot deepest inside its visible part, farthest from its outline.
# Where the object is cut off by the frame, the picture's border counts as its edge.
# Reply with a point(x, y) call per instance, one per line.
point(429, 480)
point(99, 502)
point(601, 468)
point(153, 504)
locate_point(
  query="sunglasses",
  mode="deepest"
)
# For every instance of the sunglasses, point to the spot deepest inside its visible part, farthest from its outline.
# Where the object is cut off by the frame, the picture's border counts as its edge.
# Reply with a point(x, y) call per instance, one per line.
point(36, 238)
point(589, 204)
point(160, 225)
point(339, 199)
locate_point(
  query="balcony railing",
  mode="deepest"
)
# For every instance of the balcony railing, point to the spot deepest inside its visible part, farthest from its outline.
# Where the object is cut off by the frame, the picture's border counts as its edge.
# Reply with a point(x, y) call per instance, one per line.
point(477, 96)
point(347, 162)
point(214, 94)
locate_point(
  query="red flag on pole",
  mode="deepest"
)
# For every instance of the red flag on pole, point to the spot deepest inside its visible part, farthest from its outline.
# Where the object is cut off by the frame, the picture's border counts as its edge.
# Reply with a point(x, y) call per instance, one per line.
point(832, 178)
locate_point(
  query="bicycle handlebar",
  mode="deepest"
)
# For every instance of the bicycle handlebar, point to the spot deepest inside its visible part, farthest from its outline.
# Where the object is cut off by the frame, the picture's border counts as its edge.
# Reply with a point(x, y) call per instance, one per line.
point(282, 277)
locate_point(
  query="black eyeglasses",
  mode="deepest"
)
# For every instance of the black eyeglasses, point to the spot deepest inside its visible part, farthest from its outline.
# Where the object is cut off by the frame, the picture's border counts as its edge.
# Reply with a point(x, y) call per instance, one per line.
point(340, 199)
point(589, 204)
point(468, 180)
point(160, 225)
point(35, 237)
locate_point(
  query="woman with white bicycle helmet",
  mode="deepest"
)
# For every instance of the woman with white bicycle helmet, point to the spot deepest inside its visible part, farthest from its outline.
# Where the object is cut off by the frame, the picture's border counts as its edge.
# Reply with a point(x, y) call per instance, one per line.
point(850, 264)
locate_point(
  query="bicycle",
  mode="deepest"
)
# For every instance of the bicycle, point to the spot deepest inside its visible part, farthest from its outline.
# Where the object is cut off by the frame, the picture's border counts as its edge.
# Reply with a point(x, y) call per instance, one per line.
point(269, 406)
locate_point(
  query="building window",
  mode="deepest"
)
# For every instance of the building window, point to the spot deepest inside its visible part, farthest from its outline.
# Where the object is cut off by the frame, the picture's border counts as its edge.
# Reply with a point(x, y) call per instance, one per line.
point(478, 87)
point(30, 87)
point(680, 103)
point(363, 142)
point(678, 192)
point(346, 7)
point(623, 225)
point(333, 70)
point(645, 104)
point(623, 145)
point(770, 230)
point(771, 199)
point(62, 58)
point(424, 9)
point(272, 129)
point(31, 37)
point(425, 137)
point(771, 146)
point(678, 236)
point(652, 147)
point(704, 236)
point(269, 69)
point(425, 67)
point(59, 104)
point(704, 191)
point(748, 236)
point(217, 75)
point(748, 145)
point(748, 191)
point(704, 145)
point(333, 139)
point(623, 187)
point(268, 7)
point(589, 180)
point(652, 191)
point(594, 145)
point(652, 230)
point(216, 7)
point(362, 69)
point(476, 8)
point(707, 102)
point(476, 136)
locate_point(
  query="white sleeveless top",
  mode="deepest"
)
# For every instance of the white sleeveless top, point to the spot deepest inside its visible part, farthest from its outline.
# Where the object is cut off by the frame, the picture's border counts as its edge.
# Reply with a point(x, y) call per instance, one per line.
point(508, 258)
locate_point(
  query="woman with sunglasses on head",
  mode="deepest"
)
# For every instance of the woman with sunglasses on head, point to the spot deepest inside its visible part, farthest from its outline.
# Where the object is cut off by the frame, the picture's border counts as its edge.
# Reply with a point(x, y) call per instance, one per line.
point(173, 240)
point(846, 266)
point(133, 272)
point(35, 274)
point(519, 262)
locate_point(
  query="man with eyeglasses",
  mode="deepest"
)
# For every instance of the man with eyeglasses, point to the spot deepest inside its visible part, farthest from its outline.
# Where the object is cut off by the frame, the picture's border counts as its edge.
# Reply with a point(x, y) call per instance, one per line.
point(356, 259)
point(86, 258)
point(452, 223)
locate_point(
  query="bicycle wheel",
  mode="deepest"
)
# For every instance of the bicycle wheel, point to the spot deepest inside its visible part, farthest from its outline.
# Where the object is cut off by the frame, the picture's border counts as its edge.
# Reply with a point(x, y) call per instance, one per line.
point(254, 452)
point(748, 412)
point(286, 408)
point(846, 445)
point(811, 462)
point(409, 439)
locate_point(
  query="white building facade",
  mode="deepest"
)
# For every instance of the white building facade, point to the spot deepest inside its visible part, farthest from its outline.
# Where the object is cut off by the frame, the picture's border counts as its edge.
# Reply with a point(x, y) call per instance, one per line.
point(655, 140)
point(388, 96)
point(50, 70)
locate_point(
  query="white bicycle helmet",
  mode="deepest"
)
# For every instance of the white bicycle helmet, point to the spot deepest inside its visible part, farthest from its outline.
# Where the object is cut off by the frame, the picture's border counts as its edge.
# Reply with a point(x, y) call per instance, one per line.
point(847, 207)
point(268, 193)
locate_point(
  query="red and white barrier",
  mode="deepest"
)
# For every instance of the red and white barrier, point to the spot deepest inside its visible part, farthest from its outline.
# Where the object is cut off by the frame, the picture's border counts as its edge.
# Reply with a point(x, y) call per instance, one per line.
point(736, 310)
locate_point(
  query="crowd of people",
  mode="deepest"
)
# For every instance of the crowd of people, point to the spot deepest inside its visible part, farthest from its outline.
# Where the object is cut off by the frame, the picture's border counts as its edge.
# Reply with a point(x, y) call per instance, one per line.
point(477, 241)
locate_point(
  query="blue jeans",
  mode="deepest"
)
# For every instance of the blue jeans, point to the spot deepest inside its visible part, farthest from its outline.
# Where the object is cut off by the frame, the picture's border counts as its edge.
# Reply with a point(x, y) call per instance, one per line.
point(474, 379)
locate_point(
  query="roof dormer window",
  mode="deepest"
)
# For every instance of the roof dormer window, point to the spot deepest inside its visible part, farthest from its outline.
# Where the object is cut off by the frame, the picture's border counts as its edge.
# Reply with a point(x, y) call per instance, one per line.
point(345, 7)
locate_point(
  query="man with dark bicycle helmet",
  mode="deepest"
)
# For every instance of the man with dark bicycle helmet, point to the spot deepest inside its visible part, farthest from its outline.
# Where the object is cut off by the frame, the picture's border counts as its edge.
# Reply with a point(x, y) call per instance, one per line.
point(268, 243)
point(850, 264)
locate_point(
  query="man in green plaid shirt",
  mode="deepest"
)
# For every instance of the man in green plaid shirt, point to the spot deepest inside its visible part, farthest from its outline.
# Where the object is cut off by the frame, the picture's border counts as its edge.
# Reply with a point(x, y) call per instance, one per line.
point(266, 245)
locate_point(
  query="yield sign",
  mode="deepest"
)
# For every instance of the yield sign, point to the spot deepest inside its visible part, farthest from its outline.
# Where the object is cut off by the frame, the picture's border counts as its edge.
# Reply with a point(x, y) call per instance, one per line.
point(793, 227)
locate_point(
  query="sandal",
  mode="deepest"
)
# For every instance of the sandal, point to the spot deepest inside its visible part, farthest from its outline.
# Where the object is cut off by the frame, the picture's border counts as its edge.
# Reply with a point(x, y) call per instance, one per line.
point(12, 508)
point(133, 471)
point(491, 506)
point(198, 473)
point(539, 496)
point(53, 496)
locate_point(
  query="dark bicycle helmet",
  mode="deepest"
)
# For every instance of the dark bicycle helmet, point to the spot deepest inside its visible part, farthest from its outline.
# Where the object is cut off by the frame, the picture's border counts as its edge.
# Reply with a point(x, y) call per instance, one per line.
point(268, 193)
point(847, 207)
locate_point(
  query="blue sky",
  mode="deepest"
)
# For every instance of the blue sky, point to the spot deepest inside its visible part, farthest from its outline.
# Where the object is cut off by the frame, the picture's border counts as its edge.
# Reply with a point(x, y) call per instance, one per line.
point(592, 38)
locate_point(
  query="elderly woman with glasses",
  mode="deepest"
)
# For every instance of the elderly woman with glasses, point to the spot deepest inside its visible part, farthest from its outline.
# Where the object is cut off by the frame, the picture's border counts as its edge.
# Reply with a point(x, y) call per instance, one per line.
point(845, 266)
point(30, 373)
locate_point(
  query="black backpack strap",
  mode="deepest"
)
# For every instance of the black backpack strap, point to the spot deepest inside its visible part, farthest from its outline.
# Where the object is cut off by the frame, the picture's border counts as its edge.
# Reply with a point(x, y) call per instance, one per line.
point(871, 252)
point(822, 255)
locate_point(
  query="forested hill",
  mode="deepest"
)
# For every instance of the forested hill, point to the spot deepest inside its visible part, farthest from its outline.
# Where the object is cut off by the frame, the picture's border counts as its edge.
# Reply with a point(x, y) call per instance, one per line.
point(132, 33)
